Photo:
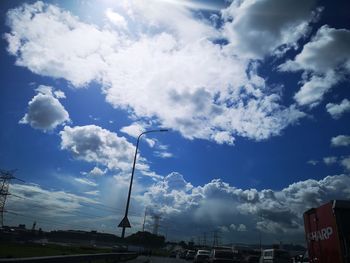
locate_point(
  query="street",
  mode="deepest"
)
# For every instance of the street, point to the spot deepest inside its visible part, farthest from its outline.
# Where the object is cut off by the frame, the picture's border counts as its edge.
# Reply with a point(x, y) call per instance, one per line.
point(144, 259)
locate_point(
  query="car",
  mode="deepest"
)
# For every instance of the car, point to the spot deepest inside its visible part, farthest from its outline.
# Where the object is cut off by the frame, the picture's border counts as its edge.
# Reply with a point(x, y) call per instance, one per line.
point(190, 254)
point(252, 259)
point(182, 254)
point(275, 256)
point(173, 254)
point(222, 256)
point(201, 256)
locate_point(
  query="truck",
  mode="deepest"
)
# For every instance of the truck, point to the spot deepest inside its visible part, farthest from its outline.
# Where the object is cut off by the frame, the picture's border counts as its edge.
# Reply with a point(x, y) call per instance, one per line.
point(327, 230)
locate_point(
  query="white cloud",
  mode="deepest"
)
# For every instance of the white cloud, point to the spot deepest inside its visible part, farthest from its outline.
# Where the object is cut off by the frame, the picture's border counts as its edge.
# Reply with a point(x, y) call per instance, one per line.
point(59, 94)
point(241, 228)
point(312, 162)
point(85, 181)
point(345, 162)
point(93, 193)
point(91, 143)
point(330, 160)
point(134, 129)
point(312, 91)
point(340, 140)
point(258, 28)
point(243, 210)
point(223, 137)
point(51, 203)
point(52, 42)
point(325, 60)
point(163, 154)
point(337, 110)
point(45, 112)
point(166, 70)
point(94, 144)
point(117, 19)
point(97, 171)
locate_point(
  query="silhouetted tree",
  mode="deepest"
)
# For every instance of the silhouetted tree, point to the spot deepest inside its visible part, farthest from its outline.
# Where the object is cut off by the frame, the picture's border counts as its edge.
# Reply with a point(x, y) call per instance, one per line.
point(146, 239)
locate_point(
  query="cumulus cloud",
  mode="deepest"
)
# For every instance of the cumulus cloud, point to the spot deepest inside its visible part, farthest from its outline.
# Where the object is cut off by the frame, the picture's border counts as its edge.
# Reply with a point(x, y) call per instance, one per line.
point(45, 112)
point(188, 83)
point(135, 129)
point(241, 228)
point(345, 162)
point(340, 140)
point(337, 110)
point(330, 160)
point(325, 61)
point(239, 212)
point(97, 171)
point(116, 19)
point(243, 210)
point(94, 144)
point(258, 28)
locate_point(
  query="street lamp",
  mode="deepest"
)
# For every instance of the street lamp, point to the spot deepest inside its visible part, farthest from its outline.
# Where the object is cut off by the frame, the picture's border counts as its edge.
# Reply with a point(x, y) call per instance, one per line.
point(125, 221)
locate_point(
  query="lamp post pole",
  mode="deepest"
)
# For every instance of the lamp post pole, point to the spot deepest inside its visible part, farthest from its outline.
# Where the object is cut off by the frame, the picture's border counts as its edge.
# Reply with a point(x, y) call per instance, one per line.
point(125, 221)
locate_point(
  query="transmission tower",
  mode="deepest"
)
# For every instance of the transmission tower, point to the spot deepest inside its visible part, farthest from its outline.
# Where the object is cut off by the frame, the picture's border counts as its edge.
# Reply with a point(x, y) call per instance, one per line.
point(216, 238)
point(156, 224)
point(5, 178)
point(198, 240)
point(144, 220)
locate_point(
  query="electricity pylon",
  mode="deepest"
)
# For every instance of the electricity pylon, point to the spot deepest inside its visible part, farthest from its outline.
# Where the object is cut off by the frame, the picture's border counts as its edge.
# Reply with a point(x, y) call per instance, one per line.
point(5, 178)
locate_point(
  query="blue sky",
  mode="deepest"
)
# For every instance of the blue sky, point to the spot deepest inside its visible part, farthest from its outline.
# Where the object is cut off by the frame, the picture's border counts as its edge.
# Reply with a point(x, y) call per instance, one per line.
point(254, 94)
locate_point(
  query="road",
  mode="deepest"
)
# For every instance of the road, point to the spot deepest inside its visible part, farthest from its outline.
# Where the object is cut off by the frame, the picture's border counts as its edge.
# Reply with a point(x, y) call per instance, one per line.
point(144, 259)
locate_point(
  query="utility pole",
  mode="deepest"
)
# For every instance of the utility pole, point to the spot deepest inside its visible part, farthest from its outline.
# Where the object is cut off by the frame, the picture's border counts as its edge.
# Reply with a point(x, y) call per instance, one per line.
point(5, 178)
point(205, 239)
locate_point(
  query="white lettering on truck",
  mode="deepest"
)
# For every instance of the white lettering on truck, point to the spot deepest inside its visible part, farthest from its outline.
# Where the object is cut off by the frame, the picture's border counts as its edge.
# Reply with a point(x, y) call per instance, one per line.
point(322, 234)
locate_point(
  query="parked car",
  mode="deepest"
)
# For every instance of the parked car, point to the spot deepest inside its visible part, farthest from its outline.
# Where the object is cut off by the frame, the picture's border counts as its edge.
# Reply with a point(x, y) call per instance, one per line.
point(252, 259)
point(222, 256)
point(201, 256)
point(275, 256)
point(182, 254)
point(190, 254)
point(173, 254)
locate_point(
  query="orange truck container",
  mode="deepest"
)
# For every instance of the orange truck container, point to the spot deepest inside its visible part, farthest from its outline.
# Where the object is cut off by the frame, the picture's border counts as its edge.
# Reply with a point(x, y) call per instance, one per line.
point(327, 230)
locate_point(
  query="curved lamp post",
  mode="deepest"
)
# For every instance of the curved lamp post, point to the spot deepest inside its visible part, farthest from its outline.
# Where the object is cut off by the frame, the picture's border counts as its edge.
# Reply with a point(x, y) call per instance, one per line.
point(125, 221)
